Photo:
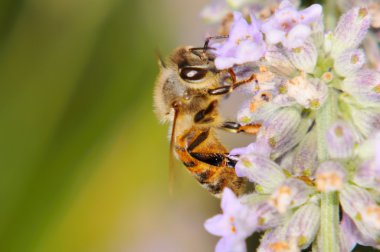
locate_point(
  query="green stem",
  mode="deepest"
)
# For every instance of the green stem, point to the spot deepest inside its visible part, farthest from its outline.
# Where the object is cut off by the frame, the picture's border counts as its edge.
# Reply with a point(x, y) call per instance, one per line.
point(329, 232)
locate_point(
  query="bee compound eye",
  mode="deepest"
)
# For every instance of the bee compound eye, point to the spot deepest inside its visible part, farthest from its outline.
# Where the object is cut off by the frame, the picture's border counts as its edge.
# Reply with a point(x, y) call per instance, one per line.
point(193, 73)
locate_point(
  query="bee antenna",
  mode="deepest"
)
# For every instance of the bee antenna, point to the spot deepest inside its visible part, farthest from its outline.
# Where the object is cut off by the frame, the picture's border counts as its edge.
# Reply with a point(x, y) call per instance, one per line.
point(207, 42)
point(161, 62)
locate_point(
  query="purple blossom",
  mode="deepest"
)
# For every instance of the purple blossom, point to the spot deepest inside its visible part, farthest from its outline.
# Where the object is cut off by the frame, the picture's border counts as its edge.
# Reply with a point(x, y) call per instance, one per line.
point(292, 193)
point(361, 207)
point(340, 140)
point(357, 22)
point(364, 86)
point(244, 44)
point(321, 107)
point(330, 176)
point(237, 222)
point(348, 233)
point(260, 170)
point(368, 172)
point(259, 147)
point(289, 26)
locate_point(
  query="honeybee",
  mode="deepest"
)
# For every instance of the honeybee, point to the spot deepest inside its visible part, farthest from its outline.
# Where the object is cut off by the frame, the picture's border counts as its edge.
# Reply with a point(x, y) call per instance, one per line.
point(187, 92)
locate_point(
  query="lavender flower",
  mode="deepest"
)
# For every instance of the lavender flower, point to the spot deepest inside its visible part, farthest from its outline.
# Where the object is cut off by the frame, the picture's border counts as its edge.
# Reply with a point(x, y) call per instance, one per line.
point(289, 26)
point(245, 44)
point(318, 149)
point(235, 224)
point(217, 10)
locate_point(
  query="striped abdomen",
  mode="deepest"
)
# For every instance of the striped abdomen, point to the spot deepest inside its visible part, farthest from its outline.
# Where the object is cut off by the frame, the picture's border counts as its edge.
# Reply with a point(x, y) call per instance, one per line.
point(207, 159)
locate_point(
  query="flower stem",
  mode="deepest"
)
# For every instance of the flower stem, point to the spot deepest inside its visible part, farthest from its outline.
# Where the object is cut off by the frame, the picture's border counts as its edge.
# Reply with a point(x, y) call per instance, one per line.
point(329, 231)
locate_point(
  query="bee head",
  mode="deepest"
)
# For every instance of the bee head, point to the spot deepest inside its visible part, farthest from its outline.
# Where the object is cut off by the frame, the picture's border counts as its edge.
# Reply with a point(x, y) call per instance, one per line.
point(184, 79)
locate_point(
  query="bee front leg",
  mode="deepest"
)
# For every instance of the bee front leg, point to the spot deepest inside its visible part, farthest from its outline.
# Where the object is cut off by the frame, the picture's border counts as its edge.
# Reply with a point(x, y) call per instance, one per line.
point(235, 127)
point(229, 88)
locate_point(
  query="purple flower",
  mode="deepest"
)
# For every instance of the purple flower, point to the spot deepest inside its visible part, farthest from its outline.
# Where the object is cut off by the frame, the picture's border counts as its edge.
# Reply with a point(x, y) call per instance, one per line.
point(291, 193)
point(357, 22)
point(340, 140)
point(245, 44)
point(368, 172)
point(361, 207)
point(330, 176)
point(237, 222)
point(259, 147)
point(364, 86)
point(290, 26)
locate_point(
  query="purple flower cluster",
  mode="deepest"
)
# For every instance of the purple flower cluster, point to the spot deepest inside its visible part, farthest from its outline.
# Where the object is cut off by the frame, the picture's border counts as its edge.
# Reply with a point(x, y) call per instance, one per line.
point(319, 144)
point(287, 27)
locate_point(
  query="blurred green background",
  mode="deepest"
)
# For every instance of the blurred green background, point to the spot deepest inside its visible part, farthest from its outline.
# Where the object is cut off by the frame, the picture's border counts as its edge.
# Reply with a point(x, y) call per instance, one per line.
point(83, 160)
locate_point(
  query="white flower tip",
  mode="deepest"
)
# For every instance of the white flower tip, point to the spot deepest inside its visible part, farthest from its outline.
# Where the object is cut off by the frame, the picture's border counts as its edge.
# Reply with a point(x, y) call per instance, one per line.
point(329, 181)
point(281, 198)
point(327, 77)
point(281, 246)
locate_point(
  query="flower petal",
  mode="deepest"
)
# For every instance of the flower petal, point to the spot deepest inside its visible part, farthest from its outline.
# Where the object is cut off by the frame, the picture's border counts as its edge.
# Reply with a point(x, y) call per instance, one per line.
point(330, 176)
point(278, 62)
point(366, 120)
point(275, 240)
point(260, 170)
point(304, 225)
point(230, 203)
point(350, 31)
point(291, 193)
point(244, 44)
point(340, 140)
point(257, 148)
point(297, 36)
point(372, 50)
point(231, 244)
point(217, 225)
point(304, 58)
point(347, 63)
point(310, 93)
point(283, 131)
point(305, 157)
point(362, 209)
point(368, 172)
point(348, 234)
point(364, 86)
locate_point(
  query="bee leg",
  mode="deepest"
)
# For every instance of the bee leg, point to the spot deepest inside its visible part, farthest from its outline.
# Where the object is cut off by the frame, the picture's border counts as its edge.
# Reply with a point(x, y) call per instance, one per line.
point(236, 83)
point(229, 88)
point(206, 115)
point(235, 127)
point(220, 90)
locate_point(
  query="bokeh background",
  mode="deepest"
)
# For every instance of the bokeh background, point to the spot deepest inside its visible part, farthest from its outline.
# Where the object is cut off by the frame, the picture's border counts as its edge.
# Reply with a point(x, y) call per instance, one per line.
point(83, 160)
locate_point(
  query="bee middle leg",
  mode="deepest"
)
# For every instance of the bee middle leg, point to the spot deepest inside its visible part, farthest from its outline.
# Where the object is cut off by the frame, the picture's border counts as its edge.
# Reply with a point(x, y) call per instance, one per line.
point(214, 159)
point(235, 127)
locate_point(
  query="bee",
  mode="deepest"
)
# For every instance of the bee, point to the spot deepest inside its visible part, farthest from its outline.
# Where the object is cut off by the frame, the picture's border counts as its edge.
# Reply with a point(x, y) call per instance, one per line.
point(187, 93)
